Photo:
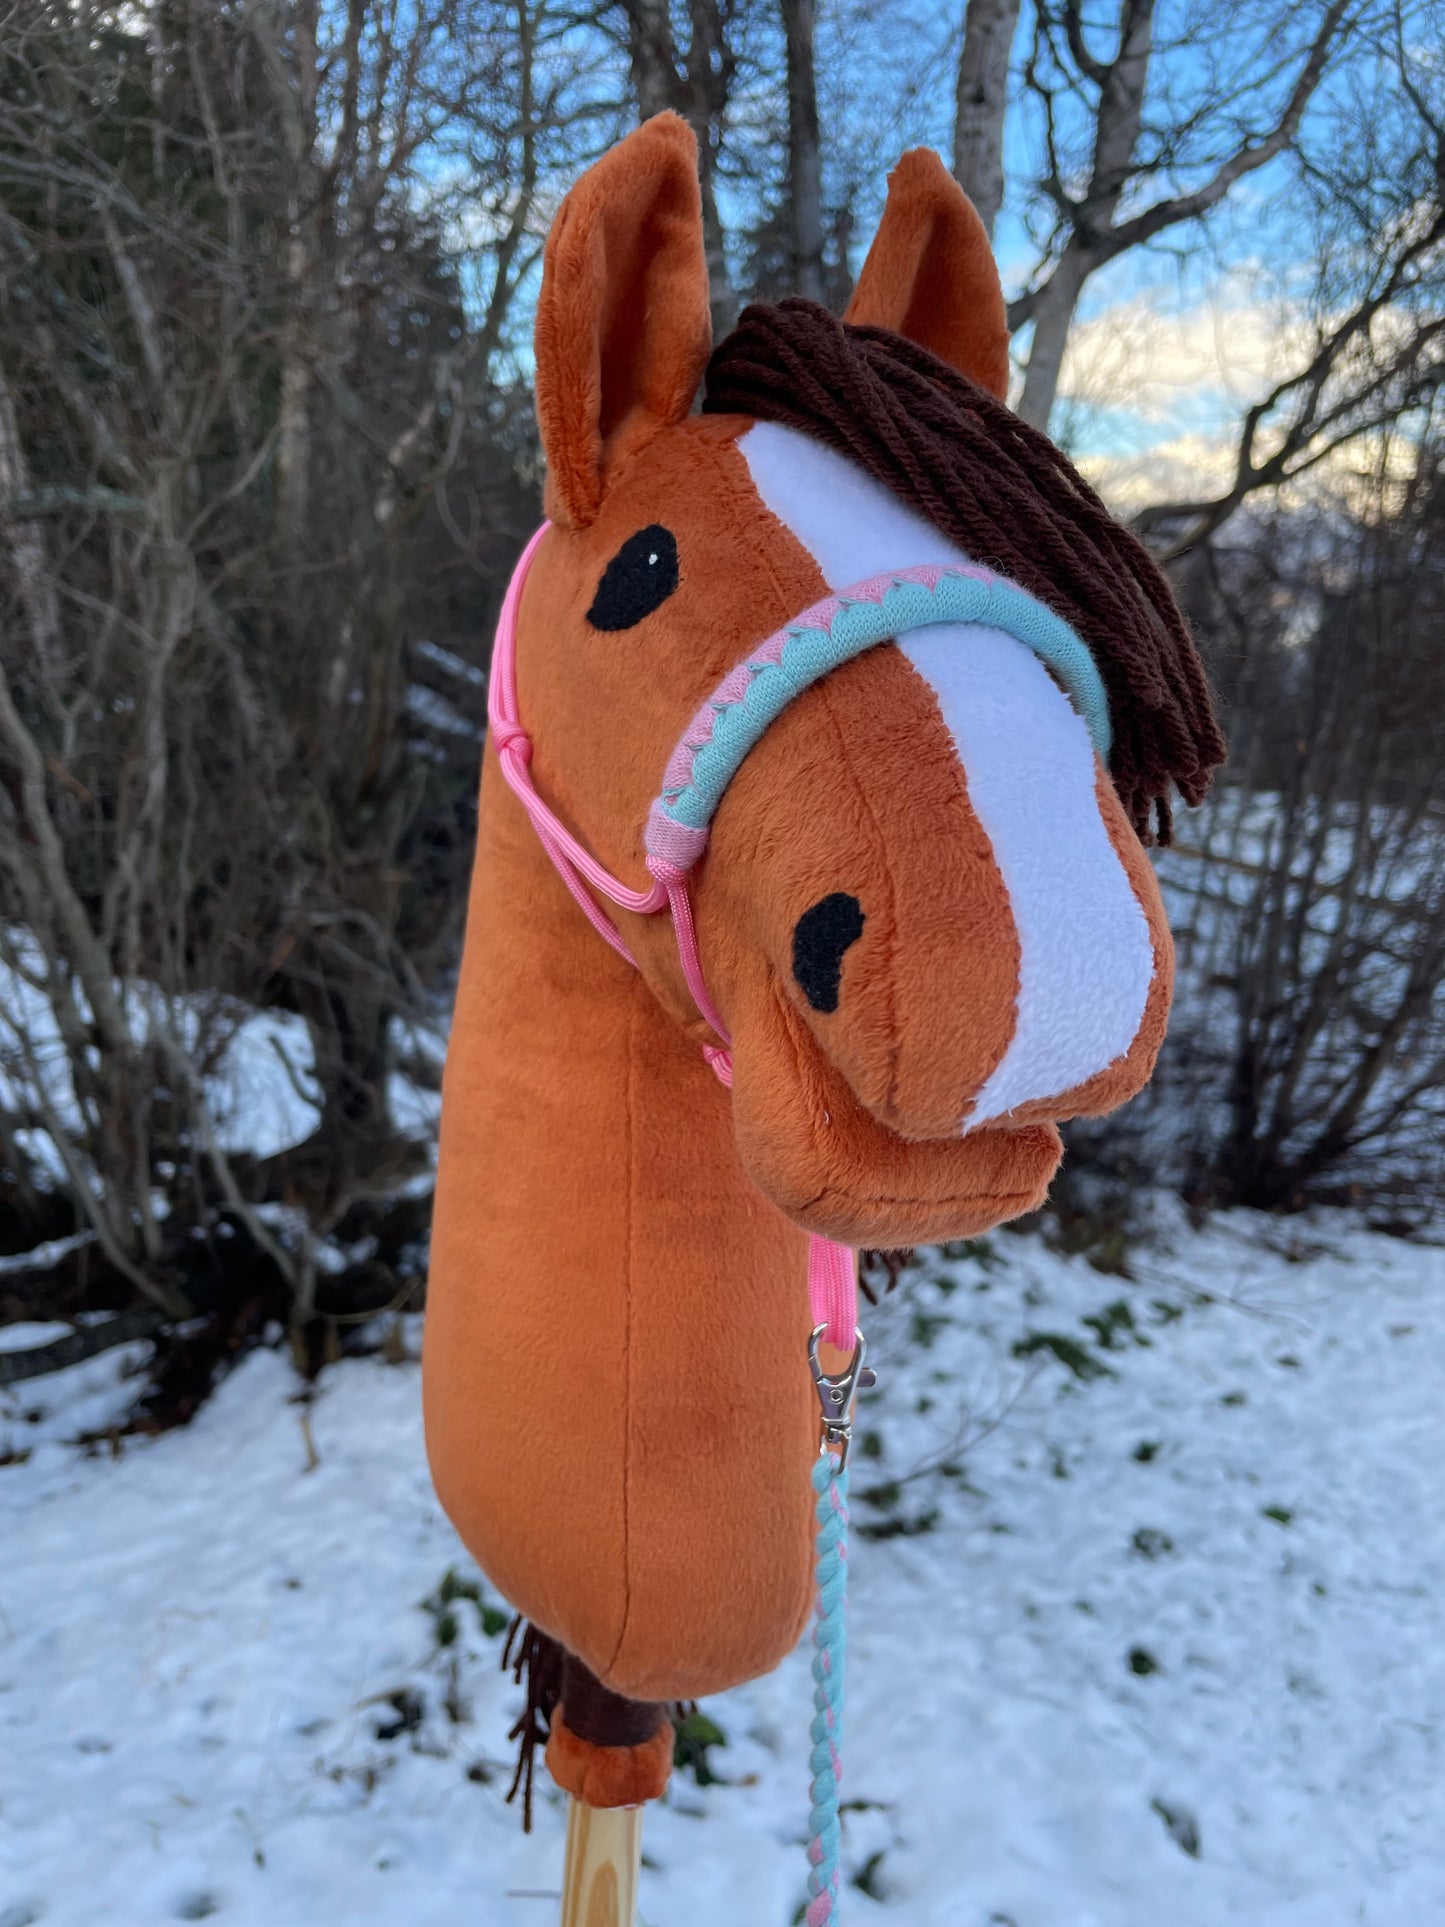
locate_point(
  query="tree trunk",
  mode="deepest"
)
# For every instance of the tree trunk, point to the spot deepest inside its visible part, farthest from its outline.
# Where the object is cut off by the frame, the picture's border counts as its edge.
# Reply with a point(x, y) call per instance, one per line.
point(710, 65)
point(1053, 317)
point(805, 173)
point(981, 102)
point(293, 420)
point(698, 90)
point(26, 541)
point(297, 85)
point(723, 295)
point(651, 56)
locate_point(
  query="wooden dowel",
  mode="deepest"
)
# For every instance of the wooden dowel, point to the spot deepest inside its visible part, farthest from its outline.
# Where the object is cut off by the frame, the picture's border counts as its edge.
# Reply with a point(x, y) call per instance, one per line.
point(604, 1853)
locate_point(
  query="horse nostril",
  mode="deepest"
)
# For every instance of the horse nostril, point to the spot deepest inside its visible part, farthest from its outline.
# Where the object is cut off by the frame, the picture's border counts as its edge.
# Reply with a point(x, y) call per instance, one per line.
point(820, 937)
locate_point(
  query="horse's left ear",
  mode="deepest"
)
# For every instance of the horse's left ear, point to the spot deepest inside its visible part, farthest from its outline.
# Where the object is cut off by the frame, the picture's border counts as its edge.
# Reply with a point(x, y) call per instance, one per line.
point(930, 274)
point(623, 325)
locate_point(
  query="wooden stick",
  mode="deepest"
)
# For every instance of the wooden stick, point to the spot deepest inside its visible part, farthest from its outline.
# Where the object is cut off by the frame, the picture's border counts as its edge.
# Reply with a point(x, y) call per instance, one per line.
point(604, 1853)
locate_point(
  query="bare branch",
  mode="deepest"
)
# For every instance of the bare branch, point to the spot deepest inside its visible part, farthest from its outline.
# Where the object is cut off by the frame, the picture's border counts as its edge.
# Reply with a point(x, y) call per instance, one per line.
point(1247, 158)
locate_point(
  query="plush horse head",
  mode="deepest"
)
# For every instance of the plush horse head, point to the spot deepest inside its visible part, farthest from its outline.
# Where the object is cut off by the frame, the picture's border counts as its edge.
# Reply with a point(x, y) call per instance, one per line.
point(861, 655)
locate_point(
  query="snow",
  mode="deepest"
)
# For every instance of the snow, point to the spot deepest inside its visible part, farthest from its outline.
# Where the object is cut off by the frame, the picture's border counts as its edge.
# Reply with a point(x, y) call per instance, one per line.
point(431, 709)
point(41, 1257)
point(93, 1396)
point(198, 1637)
point(31, 1331)
point(262, 1093)
point(450, 663)
point(413, 1092)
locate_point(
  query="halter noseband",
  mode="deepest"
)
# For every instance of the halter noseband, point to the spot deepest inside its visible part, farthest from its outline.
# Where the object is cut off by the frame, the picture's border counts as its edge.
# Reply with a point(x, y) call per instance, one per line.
point(827, 634)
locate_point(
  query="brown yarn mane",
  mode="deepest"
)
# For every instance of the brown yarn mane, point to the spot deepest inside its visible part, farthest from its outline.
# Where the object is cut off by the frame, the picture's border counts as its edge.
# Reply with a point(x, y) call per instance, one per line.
point(1010, 500)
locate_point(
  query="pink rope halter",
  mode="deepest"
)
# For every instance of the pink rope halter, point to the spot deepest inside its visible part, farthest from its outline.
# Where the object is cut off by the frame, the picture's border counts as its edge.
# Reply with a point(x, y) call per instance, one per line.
point(832, 1268)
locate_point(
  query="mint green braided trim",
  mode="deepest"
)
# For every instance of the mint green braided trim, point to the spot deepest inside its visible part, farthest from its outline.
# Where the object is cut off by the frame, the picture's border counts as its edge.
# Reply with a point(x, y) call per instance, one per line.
point(811, 653)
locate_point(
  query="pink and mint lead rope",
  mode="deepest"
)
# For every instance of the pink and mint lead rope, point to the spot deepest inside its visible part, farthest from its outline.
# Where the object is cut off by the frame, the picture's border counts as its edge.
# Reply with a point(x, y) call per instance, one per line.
point(830, 1485)
point(836, 1392)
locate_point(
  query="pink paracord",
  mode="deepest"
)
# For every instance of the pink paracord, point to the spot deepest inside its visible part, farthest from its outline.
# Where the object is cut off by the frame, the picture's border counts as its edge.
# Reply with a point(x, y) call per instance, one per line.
point(832, 1268)
point(514, 752)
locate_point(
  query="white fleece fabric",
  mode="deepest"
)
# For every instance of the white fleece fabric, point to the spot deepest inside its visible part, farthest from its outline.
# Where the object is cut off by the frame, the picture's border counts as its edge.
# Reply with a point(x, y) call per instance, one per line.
point(1085, 955)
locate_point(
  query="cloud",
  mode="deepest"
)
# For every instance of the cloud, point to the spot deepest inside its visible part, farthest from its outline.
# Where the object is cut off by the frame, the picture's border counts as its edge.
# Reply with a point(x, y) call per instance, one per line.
point(1200, 467)
point(1189, 467)
point(1151, 393)
point(1141, 365)
point(1152, 396)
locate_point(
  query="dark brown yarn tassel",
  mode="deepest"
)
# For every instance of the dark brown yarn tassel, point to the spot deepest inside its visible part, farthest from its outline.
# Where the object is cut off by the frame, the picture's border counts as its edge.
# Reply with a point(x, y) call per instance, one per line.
point(545, 1669)
point(880, 1270)
point(534, 1661)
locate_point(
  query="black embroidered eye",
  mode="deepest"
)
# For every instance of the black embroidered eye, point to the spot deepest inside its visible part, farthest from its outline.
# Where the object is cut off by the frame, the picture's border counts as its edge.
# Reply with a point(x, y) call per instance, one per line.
point(820, 937)
point(638, 579)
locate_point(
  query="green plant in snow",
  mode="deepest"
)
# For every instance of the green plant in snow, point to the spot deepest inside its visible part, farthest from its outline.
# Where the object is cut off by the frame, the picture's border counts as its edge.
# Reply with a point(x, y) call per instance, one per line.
point(450, 1592)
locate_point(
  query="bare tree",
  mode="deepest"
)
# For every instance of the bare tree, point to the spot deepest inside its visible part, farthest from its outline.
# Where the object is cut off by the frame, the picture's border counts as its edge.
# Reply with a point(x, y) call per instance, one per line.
point(236, 371)
point(1372, 205)
point(1099, 164)
point(1370, 370)
point(266, 453)
point(981, 103)
point(805, 161)
point(1308, 1054)
point(694, 79)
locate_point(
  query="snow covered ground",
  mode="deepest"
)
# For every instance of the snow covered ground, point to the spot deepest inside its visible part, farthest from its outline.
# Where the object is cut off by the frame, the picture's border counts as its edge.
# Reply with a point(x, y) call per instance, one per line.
point(1148, 1630)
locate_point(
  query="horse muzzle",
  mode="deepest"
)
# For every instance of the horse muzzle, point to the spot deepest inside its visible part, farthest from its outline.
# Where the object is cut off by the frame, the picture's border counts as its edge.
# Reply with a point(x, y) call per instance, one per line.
point(947, 893)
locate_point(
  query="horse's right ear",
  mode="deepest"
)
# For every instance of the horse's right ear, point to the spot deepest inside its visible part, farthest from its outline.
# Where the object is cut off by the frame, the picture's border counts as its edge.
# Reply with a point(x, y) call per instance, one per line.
point(930, 274)
point(623, 324)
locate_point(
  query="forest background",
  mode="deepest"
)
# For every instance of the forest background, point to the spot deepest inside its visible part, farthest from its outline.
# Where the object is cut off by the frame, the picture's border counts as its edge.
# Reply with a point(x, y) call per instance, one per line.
point(267, 270)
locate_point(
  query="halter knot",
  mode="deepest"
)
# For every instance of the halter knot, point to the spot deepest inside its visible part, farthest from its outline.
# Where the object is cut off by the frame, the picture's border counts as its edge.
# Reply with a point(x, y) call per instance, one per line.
point(512, 737)
point(720, 1063)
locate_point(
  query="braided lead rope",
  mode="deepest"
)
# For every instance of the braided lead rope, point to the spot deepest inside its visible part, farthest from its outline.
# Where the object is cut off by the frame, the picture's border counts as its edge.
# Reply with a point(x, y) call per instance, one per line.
point(836, 1393)
point(830, 1483)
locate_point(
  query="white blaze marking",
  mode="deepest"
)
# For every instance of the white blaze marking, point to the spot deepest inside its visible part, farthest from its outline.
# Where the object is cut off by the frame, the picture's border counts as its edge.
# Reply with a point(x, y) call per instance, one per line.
point(1086, 959)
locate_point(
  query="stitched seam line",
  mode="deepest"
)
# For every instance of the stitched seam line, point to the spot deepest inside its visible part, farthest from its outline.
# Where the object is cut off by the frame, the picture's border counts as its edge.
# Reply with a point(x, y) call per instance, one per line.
point(861, 791)
point(627, 1327)
point(1003, 1200)
point(749, 499)
point(989, 1200)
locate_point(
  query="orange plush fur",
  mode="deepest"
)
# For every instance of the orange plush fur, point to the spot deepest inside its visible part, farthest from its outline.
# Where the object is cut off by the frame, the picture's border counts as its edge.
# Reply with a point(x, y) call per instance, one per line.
point(619, 1416)
point(609, 1776)
point(930, 274)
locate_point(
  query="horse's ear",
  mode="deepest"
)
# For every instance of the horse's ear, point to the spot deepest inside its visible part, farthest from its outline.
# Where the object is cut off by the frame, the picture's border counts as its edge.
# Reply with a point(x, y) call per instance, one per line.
point(623, 325)
point(930, 274)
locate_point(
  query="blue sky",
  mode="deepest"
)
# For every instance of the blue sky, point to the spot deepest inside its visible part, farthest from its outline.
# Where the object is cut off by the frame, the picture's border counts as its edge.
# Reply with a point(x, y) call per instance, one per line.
point(1201, 315)
point(1174, 340)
